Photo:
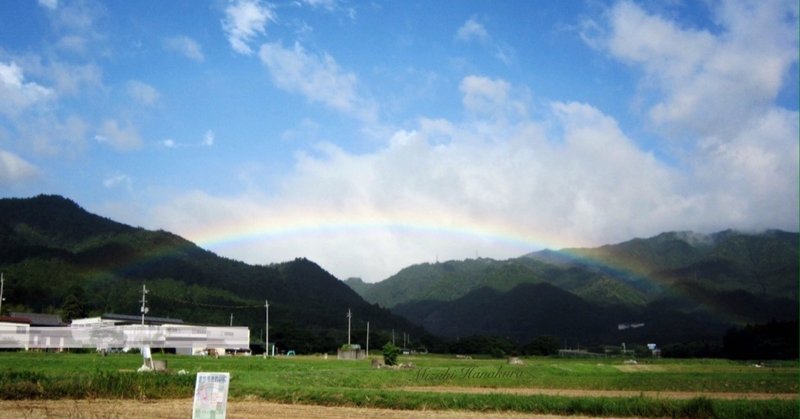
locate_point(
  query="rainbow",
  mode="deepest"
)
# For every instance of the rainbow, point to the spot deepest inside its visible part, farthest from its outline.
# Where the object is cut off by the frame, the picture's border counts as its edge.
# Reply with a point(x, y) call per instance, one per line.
point(305, 227)
point(275, 229)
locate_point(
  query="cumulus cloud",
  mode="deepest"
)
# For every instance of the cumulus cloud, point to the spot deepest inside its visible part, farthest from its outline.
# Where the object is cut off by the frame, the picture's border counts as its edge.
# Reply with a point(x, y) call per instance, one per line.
point(142, 92)
point(185, 46)
point(245, 20)
point(715, 93)
point(483, 95)
point(16, 94)
point(451, 189)
point(711, 83)
point(121, 138)
point(317, 77)
point(14, 169)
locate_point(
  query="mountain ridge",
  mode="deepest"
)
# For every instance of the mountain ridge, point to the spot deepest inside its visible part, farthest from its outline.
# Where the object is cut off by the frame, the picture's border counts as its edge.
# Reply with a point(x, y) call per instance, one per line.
point(51, 249)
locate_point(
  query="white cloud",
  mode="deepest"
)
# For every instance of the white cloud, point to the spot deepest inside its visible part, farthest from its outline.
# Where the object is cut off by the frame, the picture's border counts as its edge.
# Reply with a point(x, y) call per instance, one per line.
point(118, 181)
point(483, 95)
point(49, 4)
point(186, 46)
point(142, 92)
point(66, 79)
point(449, 189)
point(715, 93)
point(495, 188)
point(712, 84)
point(329, 5)
point(124, 138)
point(472, 30)
point(169, 143)
point(14, 169)
point(208, 139)
point(244, 20)
point(74, 43)
point(16, 94)
point(52, 136)
point(318, 78)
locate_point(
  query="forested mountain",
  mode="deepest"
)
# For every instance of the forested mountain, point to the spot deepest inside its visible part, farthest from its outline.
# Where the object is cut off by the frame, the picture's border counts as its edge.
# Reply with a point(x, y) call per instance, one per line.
point(682, 286)
point(57, 257)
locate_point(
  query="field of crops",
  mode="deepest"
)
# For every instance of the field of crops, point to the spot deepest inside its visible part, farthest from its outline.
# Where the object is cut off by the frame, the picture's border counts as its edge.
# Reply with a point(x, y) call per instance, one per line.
point(599, 387)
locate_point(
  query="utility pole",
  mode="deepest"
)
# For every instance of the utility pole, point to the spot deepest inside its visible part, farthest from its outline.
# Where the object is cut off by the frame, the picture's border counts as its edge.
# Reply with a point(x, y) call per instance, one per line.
point(231, 319)
point(2, 280)
point(349, 316)
point(144, 302)
point(392, 336)
point(266, 330)
point(368, 338)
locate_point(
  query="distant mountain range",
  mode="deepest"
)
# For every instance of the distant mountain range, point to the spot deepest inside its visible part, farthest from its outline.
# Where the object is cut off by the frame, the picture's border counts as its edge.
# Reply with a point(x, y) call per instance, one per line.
point(682, 286)
point(58, 258)
point(674, 287)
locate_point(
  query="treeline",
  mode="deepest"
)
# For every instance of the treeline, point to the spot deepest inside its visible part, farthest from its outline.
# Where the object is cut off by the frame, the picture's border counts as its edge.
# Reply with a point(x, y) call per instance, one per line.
point(775, 340)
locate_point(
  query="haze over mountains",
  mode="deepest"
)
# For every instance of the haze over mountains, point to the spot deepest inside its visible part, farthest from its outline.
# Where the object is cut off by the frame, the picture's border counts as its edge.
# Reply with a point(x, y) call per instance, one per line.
point(674, 287)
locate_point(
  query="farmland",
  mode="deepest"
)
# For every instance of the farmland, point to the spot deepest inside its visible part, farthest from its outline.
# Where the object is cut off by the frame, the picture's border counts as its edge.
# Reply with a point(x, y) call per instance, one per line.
point(601, 387)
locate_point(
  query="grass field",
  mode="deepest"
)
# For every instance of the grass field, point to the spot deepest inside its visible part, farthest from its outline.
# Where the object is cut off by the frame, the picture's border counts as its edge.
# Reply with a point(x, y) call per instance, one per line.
point(604, 387)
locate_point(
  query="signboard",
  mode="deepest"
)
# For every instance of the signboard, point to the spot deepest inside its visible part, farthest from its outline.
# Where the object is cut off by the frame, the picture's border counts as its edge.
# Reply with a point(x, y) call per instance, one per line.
point(210, 395)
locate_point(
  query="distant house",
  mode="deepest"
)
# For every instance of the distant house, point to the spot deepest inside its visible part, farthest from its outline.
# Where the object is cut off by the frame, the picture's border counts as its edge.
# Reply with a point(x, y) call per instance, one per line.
point(351, 352)
point(14, 332)
point(40, 319)
point(625, 326)
point(127, 319)
point(109, 331)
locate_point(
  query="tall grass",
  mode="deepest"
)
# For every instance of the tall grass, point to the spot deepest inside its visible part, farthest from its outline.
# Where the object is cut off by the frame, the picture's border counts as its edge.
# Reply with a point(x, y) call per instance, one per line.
point(100, 384)
point(313, 380)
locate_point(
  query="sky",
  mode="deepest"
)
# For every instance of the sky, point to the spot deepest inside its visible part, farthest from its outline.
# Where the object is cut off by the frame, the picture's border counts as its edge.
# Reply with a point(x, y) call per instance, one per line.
point(368, 136)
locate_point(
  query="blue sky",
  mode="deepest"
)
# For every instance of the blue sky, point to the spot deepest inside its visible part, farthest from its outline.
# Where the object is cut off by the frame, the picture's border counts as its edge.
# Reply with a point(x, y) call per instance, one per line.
point(368, 136)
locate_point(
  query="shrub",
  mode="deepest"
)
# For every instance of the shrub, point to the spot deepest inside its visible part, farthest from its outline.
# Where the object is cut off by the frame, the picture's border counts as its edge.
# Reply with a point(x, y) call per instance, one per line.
point(390, 353)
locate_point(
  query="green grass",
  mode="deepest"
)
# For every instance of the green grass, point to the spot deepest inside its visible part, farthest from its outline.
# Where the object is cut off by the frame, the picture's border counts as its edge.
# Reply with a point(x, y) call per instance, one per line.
point(314, 380)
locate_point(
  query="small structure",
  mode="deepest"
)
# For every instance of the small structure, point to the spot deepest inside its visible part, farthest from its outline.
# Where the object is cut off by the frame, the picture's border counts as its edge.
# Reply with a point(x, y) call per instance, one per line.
point(14, 332)
point(351, 352)
point(40, 319)
point(515, 360)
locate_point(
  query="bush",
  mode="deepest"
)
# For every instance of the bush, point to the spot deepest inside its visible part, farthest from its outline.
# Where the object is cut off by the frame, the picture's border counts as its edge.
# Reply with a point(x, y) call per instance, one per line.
point(390, 353)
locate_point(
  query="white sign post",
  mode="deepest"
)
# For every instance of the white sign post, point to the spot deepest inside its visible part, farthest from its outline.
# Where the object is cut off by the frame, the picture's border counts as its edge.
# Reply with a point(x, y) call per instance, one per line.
point(211, 395)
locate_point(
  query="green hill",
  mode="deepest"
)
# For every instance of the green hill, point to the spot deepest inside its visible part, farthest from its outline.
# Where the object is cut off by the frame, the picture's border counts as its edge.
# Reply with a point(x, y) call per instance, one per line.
point(683, 286)
point(52, 251)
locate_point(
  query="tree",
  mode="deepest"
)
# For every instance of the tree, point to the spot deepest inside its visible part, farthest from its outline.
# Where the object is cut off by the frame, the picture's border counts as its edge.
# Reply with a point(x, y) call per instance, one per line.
point(390, 353)
point(73, 308)
point(543, 346)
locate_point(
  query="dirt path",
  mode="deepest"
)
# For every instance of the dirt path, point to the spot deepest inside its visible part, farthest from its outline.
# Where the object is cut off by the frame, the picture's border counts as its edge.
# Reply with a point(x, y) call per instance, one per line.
point(605, 393)
point(182, 408)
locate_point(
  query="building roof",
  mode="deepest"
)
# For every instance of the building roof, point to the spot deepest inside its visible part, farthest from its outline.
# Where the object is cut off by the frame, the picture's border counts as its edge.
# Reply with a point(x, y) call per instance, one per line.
point(128, 318)
point(11, 319)
point(40, 319)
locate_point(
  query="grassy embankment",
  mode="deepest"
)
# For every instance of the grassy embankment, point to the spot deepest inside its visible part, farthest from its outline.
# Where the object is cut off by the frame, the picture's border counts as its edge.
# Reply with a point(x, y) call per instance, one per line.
point(314, 380)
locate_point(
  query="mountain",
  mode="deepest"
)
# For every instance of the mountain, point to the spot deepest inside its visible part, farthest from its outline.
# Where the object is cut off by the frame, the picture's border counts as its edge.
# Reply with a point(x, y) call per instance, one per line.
point(683, 286)
point(52, 251)
point(358, 285)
